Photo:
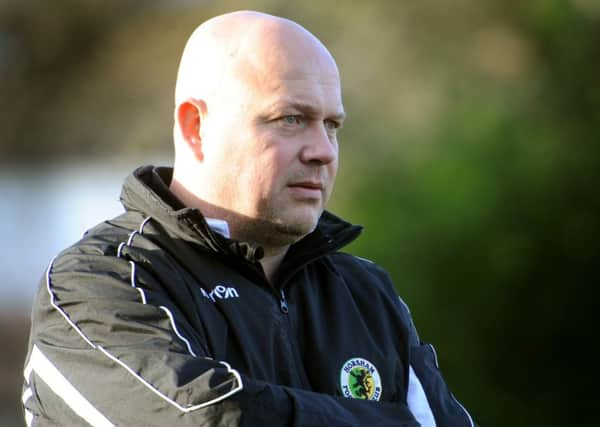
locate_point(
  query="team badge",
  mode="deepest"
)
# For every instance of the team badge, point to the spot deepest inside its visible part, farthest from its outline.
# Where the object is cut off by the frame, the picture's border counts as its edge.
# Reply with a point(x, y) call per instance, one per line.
point(359, 379)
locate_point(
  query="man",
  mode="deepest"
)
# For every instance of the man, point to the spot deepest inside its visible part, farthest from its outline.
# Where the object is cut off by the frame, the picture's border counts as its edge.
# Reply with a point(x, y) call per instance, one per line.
point(219, 297)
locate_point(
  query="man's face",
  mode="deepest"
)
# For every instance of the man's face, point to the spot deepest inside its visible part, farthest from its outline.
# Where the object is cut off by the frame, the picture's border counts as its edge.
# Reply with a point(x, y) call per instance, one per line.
point(273, 147)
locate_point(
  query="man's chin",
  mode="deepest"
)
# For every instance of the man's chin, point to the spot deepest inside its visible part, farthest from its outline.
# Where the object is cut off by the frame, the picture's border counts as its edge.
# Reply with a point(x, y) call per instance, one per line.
point(286, 231)
point(275, 232)
point(294, 231)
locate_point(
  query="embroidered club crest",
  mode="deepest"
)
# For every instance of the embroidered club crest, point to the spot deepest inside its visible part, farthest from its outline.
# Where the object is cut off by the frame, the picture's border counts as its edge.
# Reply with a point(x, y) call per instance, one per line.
point(359, 379)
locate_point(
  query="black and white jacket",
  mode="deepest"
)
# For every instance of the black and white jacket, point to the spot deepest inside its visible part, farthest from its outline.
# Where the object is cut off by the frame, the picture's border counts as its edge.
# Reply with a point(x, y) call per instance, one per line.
point(154, 319)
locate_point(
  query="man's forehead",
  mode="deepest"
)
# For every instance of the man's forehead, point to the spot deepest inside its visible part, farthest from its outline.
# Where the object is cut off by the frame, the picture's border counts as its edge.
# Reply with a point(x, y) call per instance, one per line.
point(290, 67)
point(289, 54)
point(305, 91)
point(316, 85)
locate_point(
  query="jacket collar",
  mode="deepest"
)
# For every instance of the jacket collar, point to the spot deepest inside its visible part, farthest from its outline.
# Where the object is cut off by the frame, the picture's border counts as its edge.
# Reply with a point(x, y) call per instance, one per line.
point(146, 190)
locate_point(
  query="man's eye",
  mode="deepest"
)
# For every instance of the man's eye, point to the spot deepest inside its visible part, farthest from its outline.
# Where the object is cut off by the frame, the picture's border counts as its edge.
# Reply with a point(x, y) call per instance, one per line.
point(332, 125)
point(292, 120)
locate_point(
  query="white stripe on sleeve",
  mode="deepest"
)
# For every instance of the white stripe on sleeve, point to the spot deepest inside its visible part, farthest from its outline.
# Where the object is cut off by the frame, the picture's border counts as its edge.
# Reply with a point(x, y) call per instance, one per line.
point(417, 401)
point(40, 364)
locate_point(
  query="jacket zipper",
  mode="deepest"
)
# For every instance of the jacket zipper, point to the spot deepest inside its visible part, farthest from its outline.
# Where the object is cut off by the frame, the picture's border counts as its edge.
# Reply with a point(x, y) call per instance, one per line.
point(299, 371)
point(283, 303)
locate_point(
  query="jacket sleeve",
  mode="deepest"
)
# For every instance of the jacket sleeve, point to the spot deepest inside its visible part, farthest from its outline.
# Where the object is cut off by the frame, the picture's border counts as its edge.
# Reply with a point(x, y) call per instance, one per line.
point(100, 355)
point(429, 398)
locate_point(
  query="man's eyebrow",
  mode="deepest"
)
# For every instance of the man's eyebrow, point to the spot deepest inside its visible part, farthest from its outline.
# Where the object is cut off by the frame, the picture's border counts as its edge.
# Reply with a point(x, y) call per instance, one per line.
point(305, 108)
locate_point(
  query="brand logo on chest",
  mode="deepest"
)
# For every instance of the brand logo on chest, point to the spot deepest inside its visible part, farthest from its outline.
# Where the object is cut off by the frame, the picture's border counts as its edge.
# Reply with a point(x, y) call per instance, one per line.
point(220, 292)
point(359, 379)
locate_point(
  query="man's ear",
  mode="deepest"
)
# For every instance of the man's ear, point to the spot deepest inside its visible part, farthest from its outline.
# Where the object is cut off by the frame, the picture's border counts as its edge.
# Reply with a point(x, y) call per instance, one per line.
point(189, 120)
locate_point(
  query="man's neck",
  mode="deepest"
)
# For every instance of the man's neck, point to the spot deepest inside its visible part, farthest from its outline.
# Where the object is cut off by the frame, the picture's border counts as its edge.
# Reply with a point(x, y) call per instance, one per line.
point(272, 258)
point(238, 228)
point(271, 262)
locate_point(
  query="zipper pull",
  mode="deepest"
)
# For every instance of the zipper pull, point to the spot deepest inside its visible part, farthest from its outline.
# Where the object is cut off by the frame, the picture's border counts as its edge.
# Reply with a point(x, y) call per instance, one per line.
point(282, 303)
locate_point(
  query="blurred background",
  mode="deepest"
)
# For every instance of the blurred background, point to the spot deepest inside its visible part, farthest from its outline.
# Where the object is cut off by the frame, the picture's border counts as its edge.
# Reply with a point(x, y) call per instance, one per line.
point(471, 155)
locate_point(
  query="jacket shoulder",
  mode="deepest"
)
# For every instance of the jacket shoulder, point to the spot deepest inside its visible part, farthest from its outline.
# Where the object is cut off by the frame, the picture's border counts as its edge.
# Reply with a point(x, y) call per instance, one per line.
point(368, 272)
point(366, 279)
point(105, 237)
point(82, 268)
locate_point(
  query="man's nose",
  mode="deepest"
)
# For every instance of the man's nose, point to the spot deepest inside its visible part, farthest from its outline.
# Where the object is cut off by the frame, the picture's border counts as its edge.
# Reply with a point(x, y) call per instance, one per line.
point(320, 146)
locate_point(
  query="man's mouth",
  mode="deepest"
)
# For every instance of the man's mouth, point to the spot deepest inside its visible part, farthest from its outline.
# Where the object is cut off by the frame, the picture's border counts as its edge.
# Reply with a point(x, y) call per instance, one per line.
point(308, 184)
point(306, 189)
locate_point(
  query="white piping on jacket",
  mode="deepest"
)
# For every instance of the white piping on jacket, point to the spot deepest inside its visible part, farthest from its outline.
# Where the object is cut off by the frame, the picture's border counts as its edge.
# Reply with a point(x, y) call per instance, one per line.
point(437, 365)
point(143, 294)
point(170, 315)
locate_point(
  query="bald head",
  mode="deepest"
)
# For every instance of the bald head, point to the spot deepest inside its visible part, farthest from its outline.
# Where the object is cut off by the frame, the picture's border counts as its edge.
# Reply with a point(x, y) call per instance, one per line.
point(258, 105)
point(244, 45)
